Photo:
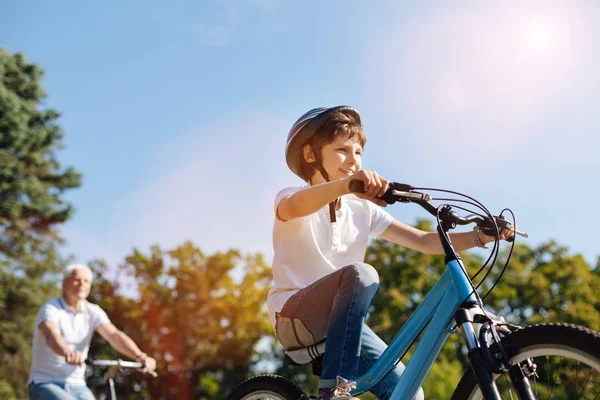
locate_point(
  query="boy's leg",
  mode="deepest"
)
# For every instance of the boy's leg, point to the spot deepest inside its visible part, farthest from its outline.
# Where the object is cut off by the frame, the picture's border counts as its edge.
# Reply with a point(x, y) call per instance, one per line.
point(48, 391)
point(371, 349)
point(335, 307)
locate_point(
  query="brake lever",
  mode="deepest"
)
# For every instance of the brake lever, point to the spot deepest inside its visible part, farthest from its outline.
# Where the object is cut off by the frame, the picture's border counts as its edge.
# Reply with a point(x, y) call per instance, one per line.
point(488, 228)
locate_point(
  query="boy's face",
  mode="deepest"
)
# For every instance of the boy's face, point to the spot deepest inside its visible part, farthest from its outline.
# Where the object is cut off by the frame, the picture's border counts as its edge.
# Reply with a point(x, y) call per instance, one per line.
point(342, 157)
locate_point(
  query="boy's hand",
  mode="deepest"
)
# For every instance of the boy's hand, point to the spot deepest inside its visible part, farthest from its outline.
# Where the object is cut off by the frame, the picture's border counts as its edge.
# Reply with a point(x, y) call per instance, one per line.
point(375, 186)
point(504, 234)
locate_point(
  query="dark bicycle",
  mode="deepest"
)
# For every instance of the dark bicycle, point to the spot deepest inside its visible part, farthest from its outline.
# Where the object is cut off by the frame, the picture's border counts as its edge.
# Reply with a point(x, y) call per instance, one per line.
point(115, 367)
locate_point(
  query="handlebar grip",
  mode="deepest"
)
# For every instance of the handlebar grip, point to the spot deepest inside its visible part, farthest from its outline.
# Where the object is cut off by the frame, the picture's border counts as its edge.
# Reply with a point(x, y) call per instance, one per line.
point(389, 197)
point(502, 223)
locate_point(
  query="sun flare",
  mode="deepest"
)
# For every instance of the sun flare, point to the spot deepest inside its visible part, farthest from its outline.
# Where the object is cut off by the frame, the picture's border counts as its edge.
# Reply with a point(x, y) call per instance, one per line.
point(539, 36)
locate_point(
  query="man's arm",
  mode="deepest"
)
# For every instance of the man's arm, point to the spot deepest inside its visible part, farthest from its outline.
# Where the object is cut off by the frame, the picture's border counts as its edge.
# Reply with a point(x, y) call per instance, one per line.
point(51, 332)
point(125, 345)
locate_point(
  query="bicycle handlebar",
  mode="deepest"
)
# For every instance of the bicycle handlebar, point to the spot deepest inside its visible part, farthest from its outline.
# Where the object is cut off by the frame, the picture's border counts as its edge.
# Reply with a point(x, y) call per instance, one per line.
point(404, 193)
point(120, 364)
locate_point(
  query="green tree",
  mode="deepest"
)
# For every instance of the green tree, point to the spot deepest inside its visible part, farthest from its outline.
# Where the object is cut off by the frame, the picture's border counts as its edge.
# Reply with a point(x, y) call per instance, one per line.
point(547, 284)
point(200, 316)
point(32, 184)
point(31, 179)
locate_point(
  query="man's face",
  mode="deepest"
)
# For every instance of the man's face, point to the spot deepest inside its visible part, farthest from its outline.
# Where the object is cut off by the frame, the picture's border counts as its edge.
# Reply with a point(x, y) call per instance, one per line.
point(78, 284)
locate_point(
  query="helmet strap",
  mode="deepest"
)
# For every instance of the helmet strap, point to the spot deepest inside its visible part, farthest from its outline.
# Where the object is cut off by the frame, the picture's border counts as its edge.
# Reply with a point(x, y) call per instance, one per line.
point(319, 167)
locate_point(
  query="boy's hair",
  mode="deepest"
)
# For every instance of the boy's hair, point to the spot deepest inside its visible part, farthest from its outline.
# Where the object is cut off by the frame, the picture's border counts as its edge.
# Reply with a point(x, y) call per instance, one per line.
point(337, 123)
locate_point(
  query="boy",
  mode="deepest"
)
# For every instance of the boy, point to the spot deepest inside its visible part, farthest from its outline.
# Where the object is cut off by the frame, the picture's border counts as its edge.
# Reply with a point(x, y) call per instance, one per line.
point(321, 286)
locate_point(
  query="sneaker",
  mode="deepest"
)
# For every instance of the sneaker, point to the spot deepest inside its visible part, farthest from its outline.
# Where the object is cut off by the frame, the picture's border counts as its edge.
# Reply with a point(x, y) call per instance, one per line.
point(341, 391)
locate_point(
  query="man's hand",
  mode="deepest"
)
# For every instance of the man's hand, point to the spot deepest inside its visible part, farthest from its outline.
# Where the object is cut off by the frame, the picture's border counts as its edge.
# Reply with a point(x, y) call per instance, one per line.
point(148, 363)
point(375, 186)
point(74, 357)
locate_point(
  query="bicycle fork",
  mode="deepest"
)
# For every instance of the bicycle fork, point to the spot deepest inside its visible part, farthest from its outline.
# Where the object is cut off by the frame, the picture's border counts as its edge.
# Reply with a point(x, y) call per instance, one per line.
point(482, 362)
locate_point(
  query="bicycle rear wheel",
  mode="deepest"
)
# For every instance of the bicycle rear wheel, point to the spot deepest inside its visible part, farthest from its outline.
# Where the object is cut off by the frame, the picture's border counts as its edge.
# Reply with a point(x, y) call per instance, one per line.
point(267, 387)
point(567, 358)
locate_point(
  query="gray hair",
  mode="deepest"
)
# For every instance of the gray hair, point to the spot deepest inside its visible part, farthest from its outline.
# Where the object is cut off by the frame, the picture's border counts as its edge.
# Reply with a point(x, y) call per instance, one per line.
point(72, 267)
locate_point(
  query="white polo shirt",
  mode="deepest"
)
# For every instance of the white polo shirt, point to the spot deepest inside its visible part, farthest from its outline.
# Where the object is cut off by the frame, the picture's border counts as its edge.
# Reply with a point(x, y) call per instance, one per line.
point(77, 329)
point(308, 248)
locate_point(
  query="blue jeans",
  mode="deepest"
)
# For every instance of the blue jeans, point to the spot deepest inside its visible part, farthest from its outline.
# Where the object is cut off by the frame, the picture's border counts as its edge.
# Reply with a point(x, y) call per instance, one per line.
point(335, 307)
point(58, 391)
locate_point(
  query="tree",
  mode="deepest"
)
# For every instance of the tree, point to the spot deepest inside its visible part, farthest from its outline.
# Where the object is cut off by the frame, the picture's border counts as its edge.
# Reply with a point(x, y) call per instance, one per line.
point(192, 316)
point(547, 284)
point(31, 180)
point(32, 184)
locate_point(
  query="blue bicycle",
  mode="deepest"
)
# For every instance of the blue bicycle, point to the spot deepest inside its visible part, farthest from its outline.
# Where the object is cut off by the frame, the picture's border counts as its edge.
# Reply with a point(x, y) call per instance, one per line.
point(546, 361)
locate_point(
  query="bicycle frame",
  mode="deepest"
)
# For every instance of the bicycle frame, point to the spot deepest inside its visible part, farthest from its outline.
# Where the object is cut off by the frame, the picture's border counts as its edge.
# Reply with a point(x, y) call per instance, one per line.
point(438, 309)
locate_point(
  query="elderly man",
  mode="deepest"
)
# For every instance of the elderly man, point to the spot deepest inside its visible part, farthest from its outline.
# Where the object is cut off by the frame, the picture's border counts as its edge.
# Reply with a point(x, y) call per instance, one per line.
point(64, 329)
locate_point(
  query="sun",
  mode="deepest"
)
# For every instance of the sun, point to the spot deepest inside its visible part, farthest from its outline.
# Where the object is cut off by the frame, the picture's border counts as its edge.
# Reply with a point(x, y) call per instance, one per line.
point(539, 36)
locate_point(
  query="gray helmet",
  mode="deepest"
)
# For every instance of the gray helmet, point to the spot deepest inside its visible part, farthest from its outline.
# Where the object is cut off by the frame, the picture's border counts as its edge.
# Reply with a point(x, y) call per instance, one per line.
point(301, 133)
point(305, 128)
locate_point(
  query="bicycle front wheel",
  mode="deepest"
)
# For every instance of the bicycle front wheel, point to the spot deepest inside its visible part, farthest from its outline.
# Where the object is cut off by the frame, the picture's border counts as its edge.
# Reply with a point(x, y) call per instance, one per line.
point(566, 357)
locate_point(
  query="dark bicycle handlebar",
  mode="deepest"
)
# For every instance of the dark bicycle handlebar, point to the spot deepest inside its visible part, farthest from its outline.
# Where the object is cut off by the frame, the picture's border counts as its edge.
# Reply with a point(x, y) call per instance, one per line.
point(404, 193)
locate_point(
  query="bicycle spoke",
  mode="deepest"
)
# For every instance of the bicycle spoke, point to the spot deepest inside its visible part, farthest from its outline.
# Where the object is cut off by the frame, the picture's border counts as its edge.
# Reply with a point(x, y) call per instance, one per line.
point(548, 371)
point(555, 376)
point(585, 384)
point(508, 386)
point(577, 374)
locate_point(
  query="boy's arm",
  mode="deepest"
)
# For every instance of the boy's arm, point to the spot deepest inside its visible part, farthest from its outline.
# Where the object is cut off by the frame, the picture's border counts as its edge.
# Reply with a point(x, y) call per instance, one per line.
point(429, 242)
point(311, 199)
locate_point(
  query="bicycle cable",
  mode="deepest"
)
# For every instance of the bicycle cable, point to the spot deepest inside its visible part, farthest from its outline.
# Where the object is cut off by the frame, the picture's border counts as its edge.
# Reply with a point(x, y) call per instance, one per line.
point(471, 211)
point(507, 257)
point(478, 204)
point(495, 248)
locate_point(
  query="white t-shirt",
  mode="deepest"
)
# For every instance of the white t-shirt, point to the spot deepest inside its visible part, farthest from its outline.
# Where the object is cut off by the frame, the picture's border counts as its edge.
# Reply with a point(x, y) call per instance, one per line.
point(76, 329)
point(311, 247)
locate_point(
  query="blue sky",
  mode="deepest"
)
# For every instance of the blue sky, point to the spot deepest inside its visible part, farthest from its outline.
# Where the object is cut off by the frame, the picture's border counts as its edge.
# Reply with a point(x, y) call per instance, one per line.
point(176, 112)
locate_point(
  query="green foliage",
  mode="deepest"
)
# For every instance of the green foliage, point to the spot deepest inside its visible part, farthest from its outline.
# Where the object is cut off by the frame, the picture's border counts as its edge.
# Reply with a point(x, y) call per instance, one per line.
point(6, 390)
point(32, 184)
point(192, 316)
point(31, 180)
point(547, 284)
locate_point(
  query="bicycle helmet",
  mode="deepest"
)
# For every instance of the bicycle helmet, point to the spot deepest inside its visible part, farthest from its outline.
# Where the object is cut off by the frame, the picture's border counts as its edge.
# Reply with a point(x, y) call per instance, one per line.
point(300, 134)
point(304, 129)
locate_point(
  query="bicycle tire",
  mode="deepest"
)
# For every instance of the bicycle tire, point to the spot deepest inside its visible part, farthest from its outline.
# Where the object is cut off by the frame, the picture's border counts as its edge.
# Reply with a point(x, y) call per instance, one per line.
point(545, 340)
point(272, 387)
